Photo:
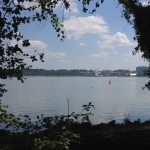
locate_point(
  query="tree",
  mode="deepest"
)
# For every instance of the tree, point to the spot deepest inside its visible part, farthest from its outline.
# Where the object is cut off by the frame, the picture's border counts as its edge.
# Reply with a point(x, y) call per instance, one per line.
point(13, 13)
point(138, 16)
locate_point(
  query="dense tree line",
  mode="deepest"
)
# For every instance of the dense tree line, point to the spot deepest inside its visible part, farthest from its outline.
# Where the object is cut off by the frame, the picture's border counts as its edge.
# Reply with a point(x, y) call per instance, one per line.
point(60, 72)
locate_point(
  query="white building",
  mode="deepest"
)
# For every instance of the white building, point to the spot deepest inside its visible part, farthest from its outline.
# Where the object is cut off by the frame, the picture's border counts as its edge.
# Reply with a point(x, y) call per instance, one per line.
point(96, 73)
point(132, 74)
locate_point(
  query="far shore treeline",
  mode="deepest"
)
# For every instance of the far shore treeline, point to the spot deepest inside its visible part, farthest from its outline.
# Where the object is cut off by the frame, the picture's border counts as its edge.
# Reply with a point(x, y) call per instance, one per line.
point(60, 72)
point(77, 72)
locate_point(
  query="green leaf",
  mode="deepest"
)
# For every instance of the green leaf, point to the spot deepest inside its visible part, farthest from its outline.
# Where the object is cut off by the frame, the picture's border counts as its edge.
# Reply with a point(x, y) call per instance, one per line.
point(61, 25)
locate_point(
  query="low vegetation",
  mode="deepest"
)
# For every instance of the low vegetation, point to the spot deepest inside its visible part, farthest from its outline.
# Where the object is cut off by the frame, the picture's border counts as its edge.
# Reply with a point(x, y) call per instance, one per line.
point(71, 132)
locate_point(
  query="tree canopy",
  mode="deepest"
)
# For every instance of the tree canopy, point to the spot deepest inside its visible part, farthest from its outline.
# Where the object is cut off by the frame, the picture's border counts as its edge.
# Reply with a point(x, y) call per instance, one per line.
point(139, 17)
point(14, 13)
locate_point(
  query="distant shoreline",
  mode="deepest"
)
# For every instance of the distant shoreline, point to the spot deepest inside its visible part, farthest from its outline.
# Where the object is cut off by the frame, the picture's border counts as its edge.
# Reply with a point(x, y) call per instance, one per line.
point(79, 76)
point(81, 73)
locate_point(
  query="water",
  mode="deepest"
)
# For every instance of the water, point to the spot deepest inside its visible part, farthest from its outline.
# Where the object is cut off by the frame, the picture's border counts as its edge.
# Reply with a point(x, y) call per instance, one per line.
point(48, 95)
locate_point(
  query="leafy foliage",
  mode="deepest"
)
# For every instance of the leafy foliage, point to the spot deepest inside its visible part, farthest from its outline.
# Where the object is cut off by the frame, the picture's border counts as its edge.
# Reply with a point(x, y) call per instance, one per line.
point(60, 131)
point(60, 128)
point(57, 141)
point(87, 3)
point(138, 16)
point(13, 14)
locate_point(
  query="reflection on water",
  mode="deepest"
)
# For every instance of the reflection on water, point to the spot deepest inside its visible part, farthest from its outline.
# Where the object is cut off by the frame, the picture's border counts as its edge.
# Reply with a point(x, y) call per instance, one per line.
point(48, 95)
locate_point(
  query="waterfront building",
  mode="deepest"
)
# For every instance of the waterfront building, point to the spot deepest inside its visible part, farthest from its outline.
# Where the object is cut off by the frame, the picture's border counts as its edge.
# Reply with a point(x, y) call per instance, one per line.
point(132, 74)
point(120, 72)
point(141, 70)
point(96, 73)
point(105, 72)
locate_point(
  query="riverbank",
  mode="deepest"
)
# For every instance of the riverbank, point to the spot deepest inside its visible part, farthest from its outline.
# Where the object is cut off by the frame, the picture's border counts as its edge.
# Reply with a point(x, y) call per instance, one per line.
point(129, 135)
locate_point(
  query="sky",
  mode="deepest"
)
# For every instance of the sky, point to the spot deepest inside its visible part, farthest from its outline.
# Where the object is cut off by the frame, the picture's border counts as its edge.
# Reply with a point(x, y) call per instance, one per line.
point(103, 40)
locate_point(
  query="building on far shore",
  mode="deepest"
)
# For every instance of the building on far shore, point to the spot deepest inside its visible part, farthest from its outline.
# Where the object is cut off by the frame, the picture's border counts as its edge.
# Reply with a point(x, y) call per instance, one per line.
point(120, 72)
point(141, 70)
point(105, 72)
point(97, 72)
point(132, 74)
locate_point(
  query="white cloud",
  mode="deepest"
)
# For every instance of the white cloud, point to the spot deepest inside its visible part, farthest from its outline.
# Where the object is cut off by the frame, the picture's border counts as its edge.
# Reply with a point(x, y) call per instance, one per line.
point(28, 4)
point(135, 60)
point(76, 27)
point(81, 44)
point(52, 58)
point(117, 40)
point(36, 44)
point(57, 55)
point(42, 48)
point(129, 57)
point(64, 61)
point(71, 11)
point(100, 55)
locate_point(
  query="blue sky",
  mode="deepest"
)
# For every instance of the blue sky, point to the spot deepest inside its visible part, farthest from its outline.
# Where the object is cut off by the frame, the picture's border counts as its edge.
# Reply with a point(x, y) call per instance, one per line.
point(103, 40)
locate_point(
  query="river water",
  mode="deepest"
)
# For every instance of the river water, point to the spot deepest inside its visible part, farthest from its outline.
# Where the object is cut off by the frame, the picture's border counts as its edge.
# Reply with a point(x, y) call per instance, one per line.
point(123, 97)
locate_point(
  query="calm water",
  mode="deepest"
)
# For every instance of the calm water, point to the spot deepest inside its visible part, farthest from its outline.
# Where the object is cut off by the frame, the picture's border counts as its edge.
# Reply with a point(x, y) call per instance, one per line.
point(48, 95)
